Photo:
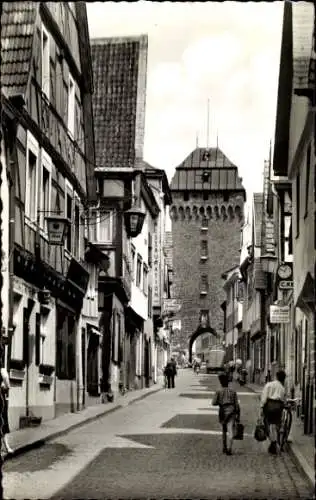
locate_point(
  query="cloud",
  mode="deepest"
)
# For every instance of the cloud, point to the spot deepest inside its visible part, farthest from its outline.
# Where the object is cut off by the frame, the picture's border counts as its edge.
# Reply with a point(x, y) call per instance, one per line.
point(226, 52)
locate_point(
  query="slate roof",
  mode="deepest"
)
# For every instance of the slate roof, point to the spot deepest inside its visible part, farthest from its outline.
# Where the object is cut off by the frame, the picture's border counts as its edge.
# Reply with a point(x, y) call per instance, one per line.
point(115, 65)
point(222, 173)
point(17, 28)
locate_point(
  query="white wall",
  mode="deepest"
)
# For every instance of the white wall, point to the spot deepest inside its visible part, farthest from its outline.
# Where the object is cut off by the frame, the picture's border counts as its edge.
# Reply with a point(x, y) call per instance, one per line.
point(5, 240)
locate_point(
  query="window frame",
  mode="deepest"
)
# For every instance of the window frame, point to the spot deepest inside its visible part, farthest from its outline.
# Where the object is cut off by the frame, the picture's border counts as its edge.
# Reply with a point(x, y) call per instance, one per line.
point(45, 83)
point(33, 147)
point(71, 106)
point(145, 278)
point(46, 163)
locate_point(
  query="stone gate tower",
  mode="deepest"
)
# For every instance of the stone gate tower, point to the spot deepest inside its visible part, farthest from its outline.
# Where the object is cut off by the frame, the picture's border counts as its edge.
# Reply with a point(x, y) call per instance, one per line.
point(207, 216)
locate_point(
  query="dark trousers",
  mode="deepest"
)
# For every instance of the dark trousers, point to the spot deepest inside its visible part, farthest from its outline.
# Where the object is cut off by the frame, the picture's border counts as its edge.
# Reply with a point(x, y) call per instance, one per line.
point(170, 380)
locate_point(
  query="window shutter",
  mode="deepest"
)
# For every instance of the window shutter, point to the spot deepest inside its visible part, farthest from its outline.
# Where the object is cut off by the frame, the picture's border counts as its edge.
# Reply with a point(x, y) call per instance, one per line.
point(52, 75)
point(37, 339)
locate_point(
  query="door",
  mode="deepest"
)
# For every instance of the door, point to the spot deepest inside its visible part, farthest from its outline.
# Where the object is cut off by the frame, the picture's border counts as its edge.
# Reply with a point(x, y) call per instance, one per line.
point(83, 361)
point(146, 361)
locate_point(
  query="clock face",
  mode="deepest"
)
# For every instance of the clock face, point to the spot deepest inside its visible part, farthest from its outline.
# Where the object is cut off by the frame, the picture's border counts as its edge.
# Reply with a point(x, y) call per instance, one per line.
point(285, 271)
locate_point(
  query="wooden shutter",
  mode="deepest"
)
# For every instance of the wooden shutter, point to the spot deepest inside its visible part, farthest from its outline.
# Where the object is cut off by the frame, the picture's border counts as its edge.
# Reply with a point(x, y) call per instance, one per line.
point(37, 339)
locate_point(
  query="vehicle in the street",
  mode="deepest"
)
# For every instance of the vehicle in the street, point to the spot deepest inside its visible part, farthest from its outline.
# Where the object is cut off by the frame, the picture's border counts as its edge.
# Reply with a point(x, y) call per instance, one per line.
point(214, 358)
point(286, 422)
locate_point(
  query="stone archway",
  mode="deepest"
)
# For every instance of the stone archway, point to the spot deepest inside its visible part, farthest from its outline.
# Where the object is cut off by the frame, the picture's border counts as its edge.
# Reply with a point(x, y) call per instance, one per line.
point(199, 331)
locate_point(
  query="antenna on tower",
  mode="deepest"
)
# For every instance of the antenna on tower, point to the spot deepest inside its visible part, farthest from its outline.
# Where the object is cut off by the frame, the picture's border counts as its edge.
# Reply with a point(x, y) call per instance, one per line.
point(208, 124)
point(217, 139)
point(197, 140)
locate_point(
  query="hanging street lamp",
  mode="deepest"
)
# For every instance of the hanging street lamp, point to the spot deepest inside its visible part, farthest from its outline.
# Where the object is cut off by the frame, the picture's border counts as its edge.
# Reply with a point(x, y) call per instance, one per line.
point(57, 228)
point(134, 220)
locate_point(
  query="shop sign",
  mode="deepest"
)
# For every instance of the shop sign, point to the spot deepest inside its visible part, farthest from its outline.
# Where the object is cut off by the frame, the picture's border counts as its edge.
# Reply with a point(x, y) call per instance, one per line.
point(279, 314)
point(286, 285)
point(156, 267)
point(171, 306)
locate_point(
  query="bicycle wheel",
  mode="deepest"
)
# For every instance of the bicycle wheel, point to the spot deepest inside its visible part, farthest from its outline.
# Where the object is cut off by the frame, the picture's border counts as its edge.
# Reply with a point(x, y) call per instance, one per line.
point(286, 427)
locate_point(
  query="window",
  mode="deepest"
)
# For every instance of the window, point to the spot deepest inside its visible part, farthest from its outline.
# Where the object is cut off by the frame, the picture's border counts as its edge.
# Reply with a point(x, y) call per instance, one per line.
point(31, 179)
point(204, 224)
point(298, 204)
point(101, 226)
point(145, 279)
point(150, 302)
point(308, 169)
point(69, 203)
point(205, 195)
point(204, 249)
point(77, 233)
point(186, 196)
point(105, 227)
point(204, 284)
point(139, 270)
point(150, 249)
point(71, 106)
point(204, 318)
point(45, 205)
point(45, 62)
point(133, 253)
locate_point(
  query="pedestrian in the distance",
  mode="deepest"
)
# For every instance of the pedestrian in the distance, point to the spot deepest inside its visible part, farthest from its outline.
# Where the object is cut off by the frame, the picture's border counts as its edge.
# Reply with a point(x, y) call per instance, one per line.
point(170, 373)
point(229, 411)
point(4, 401)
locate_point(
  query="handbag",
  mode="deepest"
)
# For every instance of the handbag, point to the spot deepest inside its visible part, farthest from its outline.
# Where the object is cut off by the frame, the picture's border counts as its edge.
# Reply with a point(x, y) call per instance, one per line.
point(260, 431)
point(238, 431)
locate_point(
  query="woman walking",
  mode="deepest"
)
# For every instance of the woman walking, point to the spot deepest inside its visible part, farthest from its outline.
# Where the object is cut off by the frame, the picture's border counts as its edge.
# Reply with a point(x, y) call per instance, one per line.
point(229, 412)
point(4, 396)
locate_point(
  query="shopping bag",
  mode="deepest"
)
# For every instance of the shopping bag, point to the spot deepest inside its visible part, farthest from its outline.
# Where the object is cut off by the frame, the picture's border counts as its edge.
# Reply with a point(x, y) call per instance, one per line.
point(238, 431)
point(260, 431)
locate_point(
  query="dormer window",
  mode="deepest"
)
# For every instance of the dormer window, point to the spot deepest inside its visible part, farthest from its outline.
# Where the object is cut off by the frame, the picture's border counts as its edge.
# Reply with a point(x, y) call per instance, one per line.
point(206, 155)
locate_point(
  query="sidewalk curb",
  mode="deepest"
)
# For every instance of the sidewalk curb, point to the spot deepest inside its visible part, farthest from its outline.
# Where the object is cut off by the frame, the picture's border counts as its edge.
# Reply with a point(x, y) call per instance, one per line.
point(302, 464)
point(37, 443)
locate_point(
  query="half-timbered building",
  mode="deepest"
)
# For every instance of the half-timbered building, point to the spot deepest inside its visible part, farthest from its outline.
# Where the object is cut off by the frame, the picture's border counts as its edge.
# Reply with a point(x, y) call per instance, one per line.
point(46, 82)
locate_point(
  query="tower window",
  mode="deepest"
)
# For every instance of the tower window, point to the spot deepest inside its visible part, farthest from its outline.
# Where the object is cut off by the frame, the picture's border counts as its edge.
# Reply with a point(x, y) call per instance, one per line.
point(204, 226)
point(204, 284)
point(186, 196)
point(205, 196)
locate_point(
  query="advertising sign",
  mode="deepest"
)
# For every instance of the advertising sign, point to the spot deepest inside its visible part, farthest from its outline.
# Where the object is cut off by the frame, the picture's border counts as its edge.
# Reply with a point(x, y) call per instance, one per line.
point(279, 314)
point(156, 268)
point(286, 285)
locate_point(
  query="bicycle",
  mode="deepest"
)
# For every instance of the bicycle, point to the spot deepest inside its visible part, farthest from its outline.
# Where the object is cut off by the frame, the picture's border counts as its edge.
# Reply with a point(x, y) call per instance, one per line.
point(286, 422)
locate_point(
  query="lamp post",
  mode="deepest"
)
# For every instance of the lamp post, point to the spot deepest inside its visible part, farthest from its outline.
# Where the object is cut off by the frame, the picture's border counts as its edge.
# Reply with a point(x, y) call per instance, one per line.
point(134, 220)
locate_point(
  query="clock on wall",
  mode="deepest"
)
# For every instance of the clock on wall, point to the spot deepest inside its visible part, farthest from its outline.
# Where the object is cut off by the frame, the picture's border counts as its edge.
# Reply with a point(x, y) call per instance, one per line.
point(285, 271)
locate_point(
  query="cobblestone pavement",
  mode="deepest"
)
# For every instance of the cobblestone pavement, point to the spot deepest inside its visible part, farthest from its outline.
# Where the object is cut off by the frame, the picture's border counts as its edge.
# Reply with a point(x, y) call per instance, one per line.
point(165, 446)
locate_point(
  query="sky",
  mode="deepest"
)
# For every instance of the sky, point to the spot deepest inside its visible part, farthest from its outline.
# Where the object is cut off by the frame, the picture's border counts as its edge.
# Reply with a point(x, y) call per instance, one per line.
point(226, 53)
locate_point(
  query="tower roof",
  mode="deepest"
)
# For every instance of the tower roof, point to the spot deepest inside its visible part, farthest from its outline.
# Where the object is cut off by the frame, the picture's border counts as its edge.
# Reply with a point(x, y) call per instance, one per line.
point(207, 169)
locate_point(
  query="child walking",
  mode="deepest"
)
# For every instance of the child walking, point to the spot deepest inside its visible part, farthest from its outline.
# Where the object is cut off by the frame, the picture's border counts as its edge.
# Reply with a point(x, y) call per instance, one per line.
point(229, 411)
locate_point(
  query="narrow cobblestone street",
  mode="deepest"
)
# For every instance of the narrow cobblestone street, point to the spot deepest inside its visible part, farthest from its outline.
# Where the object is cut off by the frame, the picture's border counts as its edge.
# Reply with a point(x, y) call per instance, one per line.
point(165, 446)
